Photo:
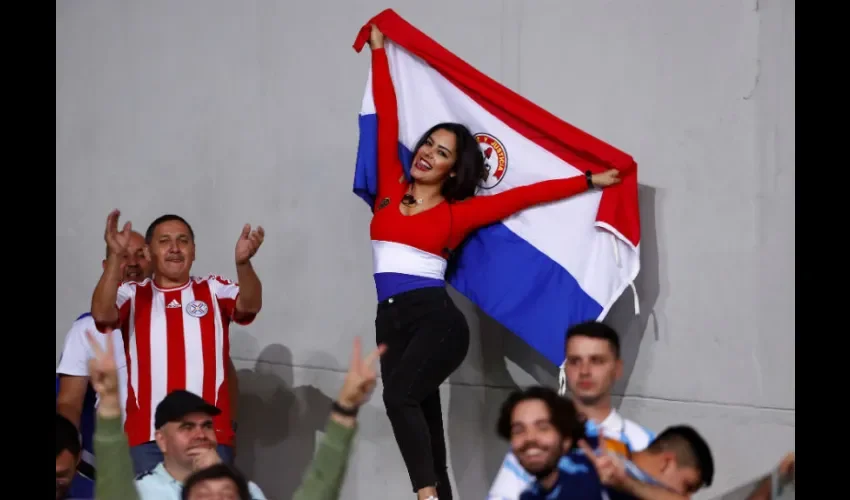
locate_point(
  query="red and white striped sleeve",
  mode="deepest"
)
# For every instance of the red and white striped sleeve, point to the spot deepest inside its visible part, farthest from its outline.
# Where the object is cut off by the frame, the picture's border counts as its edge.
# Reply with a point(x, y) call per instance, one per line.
point(123, 302)
point(226, 292)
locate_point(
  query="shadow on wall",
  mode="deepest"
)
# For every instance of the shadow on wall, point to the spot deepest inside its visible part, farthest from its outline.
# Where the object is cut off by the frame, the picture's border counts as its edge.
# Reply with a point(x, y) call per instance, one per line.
point(280, 424)
point(494, 344)
point(648, 284)
point(277, 420)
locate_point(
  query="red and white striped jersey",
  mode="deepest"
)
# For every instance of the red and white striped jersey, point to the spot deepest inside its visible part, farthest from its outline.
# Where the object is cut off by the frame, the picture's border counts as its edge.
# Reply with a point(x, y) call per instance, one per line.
point(177, 338)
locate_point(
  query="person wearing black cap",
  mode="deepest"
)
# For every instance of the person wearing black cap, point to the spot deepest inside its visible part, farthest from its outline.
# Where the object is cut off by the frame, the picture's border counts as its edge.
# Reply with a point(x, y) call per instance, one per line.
point(184, 433)
point(186, 436)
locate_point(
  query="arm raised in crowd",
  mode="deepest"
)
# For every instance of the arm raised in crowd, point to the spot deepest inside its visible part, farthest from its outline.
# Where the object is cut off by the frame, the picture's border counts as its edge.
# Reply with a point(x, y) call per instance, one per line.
point(612, 474)
point(105, 296)
point(115, 478)
point(323, 480)
point(250, 298)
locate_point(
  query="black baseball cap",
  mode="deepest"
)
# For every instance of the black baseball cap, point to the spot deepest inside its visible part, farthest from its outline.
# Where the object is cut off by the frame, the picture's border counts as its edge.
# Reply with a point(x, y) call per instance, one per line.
point(180, 403)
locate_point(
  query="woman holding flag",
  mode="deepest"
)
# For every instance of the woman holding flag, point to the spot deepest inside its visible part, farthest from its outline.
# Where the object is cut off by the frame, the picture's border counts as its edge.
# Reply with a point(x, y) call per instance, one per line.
point(414, 229)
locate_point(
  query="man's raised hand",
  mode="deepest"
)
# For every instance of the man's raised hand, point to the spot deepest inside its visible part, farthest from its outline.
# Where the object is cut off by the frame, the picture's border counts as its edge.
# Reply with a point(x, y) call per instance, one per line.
point(248, 244)
point(117, 241)
point(609, 468)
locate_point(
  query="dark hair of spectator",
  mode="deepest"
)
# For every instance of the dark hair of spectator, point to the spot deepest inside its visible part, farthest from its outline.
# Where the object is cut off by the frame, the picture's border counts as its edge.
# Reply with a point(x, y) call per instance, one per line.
point(562, 412)
point(217, 471)
point(162, 219)
point(67, 437)
point(595, 330)
point(690, 448)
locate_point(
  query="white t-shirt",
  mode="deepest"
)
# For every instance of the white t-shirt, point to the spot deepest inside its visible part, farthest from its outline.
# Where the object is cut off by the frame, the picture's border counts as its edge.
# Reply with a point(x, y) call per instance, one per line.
point(77, 352)
point(512, 479)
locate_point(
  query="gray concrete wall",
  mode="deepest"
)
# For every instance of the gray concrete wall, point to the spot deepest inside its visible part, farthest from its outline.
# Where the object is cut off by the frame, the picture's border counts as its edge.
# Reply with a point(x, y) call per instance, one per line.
point(233, 112)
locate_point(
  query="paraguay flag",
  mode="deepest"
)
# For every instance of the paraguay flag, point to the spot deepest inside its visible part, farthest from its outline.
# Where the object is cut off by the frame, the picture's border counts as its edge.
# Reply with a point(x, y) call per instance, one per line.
point(542, 269)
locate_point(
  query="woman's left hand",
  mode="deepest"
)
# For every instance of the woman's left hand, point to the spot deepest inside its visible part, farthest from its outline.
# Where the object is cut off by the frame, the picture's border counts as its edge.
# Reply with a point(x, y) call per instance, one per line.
point(607, 178)
point(376, 38)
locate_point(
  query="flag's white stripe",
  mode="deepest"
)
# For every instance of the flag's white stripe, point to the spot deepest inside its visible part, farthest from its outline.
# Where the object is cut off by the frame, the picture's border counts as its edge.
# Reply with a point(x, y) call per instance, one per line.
point(368, 106)
point(390, 257)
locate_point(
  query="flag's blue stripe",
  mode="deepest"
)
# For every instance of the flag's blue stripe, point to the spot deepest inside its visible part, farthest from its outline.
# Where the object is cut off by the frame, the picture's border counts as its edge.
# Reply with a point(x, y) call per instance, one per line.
point(522, 288)
point(508, 278)
point(365, 172)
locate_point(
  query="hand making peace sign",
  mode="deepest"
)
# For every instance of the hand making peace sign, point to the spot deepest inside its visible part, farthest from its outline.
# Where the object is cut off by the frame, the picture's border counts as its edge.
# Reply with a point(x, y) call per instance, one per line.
point(103, 371)
point(361, 377)
point(610, 468)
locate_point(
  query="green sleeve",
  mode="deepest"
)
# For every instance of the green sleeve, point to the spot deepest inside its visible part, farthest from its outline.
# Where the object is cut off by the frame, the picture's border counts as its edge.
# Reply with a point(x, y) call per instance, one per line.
point(323, 480)
point(115, 477)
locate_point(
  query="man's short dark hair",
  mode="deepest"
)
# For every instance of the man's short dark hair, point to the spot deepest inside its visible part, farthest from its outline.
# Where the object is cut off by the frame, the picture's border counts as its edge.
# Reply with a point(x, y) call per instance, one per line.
point(217, 471)
point(690, 448)
point(166, 218)
point(562, 412)
point(66, 436)
point(595, 330)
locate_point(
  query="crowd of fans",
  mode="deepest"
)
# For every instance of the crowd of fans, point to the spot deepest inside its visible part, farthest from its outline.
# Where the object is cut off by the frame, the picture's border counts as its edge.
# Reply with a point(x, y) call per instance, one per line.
point(145, 384)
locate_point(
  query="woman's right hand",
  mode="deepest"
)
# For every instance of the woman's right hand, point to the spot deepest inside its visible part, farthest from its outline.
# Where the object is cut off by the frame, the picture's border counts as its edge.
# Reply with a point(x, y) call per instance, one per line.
point(376, 38)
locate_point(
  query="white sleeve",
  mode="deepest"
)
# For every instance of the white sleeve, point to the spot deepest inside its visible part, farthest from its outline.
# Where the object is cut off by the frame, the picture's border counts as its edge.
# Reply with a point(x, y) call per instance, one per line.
point(125, 292)
point(255, 491)
point(76, 353)
point(223, 288)
point(637, 435)
point(511, 480)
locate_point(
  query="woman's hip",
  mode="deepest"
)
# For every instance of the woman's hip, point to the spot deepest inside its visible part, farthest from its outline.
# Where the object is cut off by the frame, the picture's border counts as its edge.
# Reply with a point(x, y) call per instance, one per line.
point(426, 311)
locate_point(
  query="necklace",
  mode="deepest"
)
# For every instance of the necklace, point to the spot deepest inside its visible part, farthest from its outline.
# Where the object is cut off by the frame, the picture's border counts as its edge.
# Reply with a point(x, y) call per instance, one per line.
point(409, 200)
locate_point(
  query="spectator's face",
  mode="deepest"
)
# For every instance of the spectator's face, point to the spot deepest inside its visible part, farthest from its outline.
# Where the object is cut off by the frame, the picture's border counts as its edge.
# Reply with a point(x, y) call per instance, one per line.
point(536, 443)
point(66, 467)
point(137, 264)
point(591, 368)
point(181, 441)
point(684, 480)
point(172, 250)
point(215, 489)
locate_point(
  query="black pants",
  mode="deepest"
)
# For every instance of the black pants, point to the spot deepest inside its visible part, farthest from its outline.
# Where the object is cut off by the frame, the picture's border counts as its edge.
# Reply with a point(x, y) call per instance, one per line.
point(427, 339)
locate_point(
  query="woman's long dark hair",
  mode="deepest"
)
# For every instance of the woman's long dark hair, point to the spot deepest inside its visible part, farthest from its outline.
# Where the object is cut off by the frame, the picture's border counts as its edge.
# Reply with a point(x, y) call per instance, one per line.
point(469, 166)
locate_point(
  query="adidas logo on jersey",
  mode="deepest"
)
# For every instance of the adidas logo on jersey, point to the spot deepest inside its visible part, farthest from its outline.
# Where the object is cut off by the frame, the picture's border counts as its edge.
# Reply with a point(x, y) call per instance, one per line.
point(173, 304)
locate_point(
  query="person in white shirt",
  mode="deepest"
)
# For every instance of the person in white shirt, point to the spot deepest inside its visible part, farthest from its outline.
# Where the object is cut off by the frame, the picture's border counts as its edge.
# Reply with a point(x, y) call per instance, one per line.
point(73, 369)
point(592, 367)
